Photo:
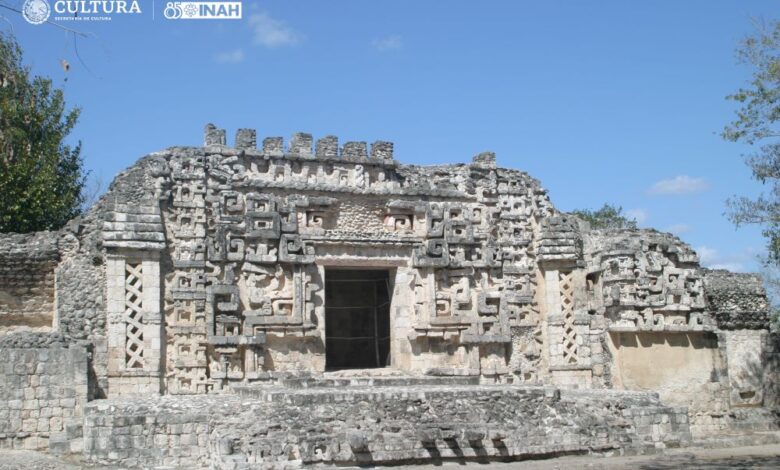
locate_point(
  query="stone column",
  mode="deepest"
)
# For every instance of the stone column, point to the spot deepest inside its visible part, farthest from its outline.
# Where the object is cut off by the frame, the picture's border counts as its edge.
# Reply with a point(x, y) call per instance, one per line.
point(568, 326)
point(134, 322)
point(746, 366)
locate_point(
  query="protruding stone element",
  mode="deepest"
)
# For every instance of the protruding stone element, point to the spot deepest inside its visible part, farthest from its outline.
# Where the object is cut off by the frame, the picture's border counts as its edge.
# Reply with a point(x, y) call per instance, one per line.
point(301, 144)
point(328, 147)
point(354, 150)
point(246, 139)
point(382, 150)
point(134, 226)
point(738, 300)
point(273, 146)
point(560, 241)
point(485, 160)
point(213, 136)
point(358, 441)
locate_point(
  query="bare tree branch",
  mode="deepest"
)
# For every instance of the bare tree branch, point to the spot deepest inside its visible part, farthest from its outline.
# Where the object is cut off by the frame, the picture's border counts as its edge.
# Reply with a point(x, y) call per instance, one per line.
point(70, 30)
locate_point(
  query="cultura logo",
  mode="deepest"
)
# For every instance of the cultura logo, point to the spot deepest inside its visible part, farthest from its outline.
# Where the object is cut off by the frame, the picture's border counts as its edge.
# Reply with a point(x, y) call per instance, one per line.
point(96, 7)
point(202, 10)
point(36, 11)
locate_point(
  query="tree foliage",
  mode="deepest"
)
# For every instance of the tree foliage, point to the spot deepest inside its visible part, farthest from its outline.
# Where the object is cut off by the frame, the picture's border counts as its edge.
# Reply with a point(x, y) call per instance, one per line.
point(757, 124)
point(41, 179)
point(608, 216)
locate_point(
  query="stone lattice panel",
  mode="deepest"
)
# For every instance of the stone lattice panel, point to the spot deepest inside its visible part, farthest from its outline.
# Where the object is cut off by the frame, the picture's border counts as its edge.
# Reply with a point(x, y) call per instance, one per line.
point(570, 339)
point(134, 316)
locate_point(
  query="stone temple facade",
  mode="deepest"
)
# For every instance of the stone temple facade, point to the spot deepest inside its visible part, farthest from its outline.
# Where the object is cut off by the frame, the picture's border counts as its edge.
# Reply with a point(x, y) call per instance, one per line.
point(219, 299)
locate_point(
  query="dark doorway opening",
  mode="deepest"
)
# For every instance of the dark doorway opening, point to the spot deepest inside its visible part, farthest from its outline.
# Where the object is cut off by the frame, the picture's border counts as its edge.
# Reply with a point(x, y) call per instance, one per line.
point(357, 318)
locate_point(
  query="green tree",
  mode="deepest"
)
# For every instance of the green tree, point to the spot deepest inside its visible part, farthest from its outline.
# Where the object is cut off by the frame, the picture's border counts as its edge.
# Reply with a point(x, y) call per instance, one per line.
point(608, 216)
point(41, 179)
point(757, 125)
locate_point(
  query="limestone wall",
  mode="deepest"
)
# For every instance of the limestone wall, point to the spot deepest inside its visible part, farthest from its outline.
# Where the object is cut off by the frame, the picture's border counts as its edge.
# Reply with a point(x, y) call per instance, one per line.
point(739, 304)
point(137, 433)
point(55, 281)
point(43, 392)
point(771, 363)
point(738, 301)
point(204, 270)
point(683, 368)
point(27, 281)
point(204, 267)
point(491, 280)
point(286, 428)
point(241, 236)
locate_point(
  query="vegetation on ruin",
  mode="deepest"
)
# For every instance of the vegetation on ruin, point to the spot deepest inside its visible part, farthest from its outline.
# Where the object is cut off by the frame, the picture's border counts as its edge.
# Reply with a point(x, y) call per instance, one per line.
point(757, 124)
point(42, 179)
point(607, 217)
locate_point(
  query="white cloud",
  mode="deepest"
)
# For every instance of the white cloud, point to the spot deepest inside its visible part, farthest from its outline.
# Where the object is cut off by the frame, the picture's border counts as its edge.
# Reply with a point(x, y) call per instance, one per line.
point(270, 32)
point(711, 258)
point(388, 43)
point(681, 184)
point(707, 255)
point(230, 57)
point(735, 267)
point(639, 214)
point(678, 228)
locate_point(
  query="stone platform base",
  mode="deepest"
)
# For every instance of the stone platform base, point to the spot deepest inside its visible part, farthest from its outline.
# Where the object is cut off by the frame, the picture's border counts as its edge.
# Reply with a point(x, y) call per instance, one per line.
point(735, 423)
point(381, 377)
point(279, 427)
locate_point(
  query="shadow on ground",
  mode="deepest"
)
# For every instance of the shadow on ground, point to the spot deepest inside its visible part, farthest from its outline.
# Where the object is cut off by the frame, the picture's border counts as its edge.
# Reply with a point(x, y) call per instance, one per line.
point(688, 461)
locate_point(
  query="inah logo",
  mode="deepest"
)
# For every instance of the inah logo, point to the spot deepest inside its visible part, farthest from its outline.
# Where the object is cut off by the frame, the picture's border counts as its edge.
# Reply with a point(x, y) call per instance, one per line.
point(36, 11)
point(203, 10)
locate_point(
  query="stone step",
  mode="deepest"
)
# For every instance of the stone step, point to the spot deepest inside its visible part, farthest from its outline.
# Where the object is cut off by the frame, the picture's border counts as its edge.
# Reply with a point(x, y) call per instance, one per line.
point(738, 440)
point(357, 393)
point(422, 390)
point(369, 381)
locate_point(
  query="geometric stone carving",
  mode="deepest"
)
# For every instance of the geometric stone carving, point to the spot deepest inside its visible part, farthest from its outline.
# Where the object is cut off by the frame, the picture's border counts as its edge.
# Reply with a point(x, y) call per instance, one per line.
point(249, 234)
point(134, 315)
point(135, 320)
point(566, 286)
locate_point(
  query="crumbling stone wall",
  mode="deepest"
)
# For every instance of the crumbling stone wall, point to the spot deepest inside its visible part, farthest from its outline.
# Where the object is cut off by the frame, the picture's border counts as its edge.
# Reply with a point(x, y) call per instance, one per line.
point(55, 281)
point(27, 281)
point(285, 428)
point(737, 301)
point(43, 392)
point(772, 371)
point(138, 433)
point(739, 304)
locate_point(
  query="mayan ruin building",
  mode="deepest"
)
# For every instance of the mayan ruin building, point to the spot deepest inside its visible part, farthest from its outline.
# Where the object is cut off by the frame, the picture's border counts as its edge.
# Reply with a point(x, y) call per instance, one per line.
point(270, 304)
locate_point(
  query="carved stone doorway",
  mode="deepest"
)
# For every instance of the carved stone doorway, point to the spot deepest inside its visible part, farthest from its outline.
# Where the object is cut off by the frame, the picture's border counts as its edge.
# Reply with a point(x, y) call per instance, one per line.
point(357, 318)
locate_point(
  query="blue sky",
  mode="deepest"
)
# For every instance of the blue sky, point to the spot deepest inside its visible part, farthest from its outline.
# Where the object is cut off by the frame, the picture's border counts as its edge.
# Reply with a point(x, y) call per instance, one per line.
point(602, 101)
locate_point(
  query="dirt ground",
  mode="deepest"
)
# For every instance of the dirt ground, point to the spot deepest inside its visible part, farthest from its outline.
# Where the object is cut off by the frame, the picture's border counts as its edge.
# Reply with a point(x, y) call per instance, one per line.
point(758, 457)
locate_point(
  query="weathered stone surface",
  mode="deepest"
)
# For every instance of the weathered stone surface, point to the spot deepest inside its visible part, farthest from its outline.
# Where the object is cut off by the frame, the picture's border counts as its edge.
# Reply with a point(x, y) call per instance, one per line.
point(27, 265)
point(43, 392)
point(737, 300)
point(377, 425)
point(214, 269)
point(25, 339)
